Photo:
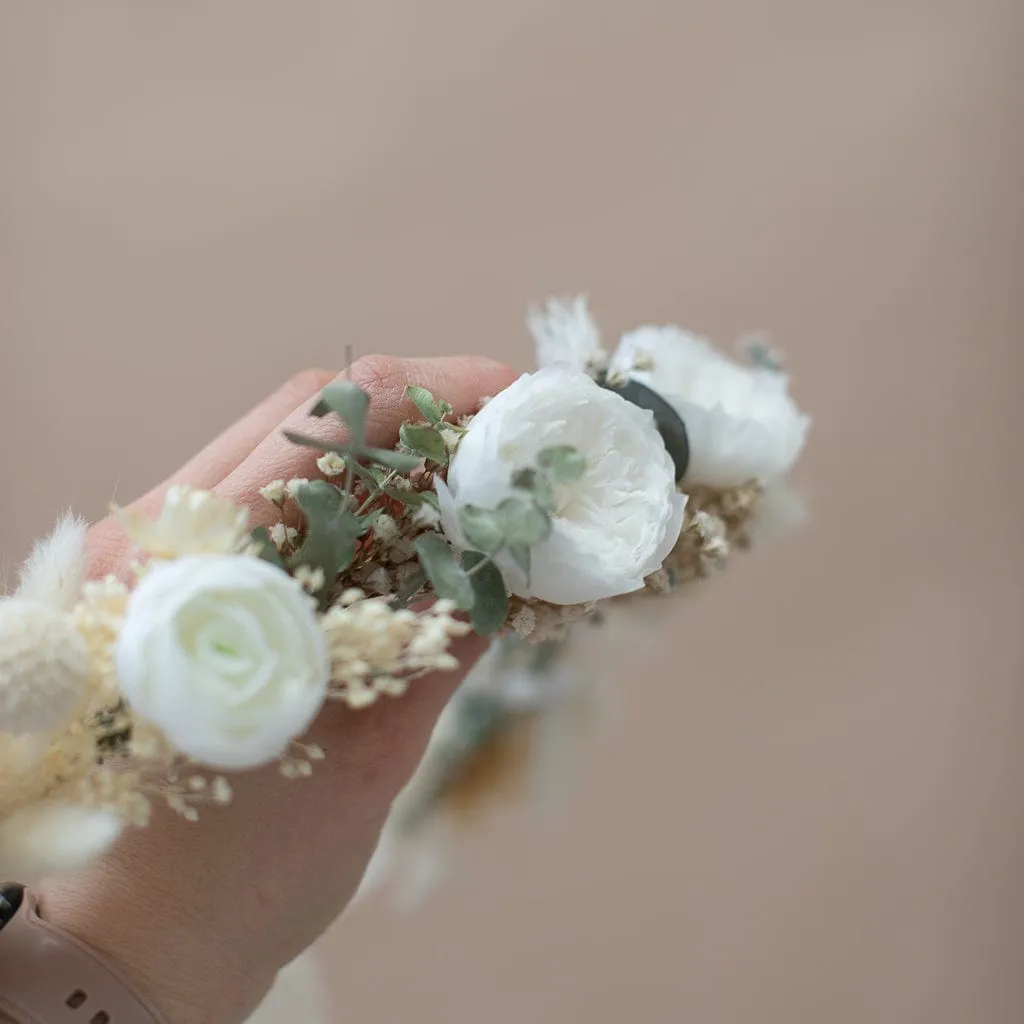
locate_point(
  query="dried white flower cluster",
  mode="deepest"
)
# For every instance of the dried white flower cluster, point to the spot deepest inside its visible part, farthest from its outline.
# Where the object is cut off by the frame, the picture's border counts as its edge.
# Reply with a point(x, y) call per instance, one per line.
point(377, 649)
point(596, 478)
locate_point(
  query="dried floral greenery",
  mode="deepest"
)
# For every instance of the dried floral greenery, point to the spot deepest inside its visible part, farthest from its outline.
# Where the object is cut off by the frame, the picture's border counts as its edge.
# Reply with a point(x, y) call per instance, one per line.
point(367, 547)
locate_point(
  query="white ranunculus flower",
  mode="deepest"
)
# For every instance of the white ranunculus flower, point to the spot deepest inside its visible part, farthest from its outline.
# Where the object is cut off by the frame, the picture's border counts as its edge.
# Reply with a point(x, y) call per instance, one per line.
point(741, 422)
point(226, 656)
point(614, 526)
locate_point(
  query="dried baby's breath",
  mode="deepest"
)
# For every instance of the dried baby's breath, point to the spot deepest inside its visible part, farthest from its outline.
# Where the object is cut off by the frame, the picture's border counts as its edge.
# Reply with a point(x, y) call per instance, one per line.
point(377, 648)
point(331, 465)
point(275, 492)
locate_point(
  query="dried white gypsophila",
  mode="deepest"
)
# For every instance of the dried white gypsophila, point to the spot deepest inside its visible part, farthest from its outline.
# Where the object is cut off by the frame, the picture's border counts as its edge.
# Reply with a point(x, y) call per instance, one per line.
point(376, 648)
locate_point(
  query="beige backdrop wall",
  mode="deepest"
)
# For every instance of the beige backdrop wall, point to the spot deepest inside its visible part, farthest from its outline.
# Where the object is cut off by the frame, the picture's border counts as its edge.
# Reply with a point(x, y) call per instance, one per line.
point(809, 809)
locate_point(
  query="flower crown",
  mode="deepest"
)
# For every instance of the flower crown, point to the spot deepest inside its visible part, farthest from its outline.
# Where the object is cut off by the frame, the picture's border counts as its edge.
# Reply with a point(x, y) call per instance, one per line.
point(593, 480)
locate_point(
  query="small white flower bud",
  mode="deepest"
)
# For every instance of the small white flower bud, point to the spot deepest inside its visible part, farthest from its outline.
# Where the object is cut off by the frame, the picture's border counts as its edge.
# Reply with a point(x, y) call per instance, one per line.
point(274, 492)
point(331, 464)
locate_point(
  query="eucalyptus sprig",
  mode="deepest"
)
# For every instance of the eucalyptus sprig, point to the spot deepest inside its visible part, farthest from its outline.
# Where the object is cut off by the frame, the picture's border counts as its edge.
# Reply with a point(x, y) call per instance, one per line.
point(474, 580)
point(335, 519)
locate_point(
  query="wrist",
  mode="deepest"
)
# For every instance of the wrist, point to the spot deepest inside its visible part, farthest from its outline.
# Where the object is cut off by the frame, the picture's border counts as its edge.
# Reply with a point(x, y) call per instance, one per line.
point(157, 943)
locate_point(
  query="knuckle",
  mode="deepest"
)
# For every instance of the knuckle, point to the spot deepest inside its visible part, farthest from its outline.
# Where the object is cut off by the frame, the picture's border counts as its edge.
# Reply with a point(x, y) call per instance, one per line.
point(308, 383)
point(379, 374)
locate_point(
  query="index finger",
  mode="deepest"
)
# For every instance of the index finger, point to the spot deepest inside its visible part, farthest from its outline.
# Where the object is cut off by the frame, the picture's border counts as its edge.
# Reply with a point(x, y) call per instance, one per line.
point(462, 380)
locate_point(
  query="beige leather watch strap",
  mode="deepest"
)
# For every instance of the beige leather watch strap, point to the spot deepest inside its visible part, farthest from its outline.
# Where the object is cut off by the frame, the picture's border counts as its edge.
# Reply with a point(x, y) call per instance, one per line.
point(49, 977)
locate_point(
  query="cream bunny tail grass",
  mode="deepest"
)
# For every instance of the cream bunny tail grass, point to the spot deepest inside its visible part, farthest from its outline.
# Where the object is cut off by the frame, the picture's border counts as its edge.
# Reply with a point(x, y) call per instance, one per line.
point(54, 838)
point(55, 570)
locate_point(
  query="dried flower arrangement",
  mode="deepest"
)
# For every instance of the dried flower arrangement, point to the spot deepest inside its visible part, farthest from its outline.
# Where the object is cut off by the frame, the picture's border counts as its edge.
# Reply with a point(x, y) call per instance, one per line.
point(595, 479)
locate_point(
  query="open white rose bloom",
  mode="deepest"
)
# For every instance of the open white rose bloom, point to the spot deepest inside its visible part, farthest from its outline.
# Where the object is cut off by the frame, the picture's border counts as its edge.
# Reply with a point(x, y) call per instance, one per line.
point(600, 480)
point(612, 526)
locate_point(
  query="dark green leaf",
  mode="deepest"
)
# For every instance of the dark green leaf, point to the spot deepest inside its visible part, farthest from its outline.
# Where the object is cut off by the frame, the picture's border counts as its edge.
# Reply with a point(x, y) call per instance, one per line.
point(482, 527)
point(331, 530)
point(562, 463)
point(523, 521)
point(398, 461)
point(267, 548)
point(349, 402)
point(424, 440)
point(490, 609)
point(669, 423)
point(445, 574)
point(521, 556)
point(425, 402)
point(525, 479)
point(533, 482)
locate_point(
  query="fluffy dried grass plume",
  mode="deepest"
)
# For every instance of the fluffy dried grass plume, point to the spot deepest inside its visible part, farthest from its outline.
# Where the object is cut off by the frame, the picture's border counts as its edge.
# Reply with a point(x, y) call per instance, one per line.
point(55, 570)
point(44, 667)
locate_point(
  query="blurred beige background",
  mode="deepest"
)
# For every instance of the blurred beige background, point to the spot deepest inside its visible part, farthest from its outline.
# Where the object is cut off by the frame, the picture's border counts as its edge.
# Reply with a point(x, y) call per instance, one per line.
point(810, 808)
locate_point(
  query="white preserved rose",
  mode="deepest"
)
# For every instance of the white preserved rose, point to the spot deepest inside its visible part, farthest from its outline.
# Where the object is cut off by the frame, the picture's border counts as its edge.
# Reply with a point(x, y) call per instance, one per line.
point(612, 527)
point(225, 655)
point(741, 423)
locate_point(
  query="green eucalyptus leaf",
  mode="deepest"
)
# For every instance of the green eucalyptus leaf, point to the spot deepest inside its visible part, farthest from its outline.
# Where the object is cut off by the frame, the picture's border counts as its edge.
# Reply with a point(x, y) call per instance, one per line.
point(414, 498)
point(490, 609)
point(562, 463)
point(318, 445)
point(398, 461)
point(521, 556)
point(367, 519)
point(331, 530)
point(424, 440)
point(425, 402)
point(267, 548)
point(523, 521)
point(482, 528)
point(357, 469)
point(448, 578)
point(349, 402)
point(412, 586)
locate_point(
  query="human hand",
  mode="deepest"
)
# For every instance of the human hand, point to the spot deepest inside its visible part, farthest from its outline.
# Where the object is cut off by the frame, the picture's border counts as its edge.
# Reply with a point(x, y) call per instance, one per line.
point(203, 918)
